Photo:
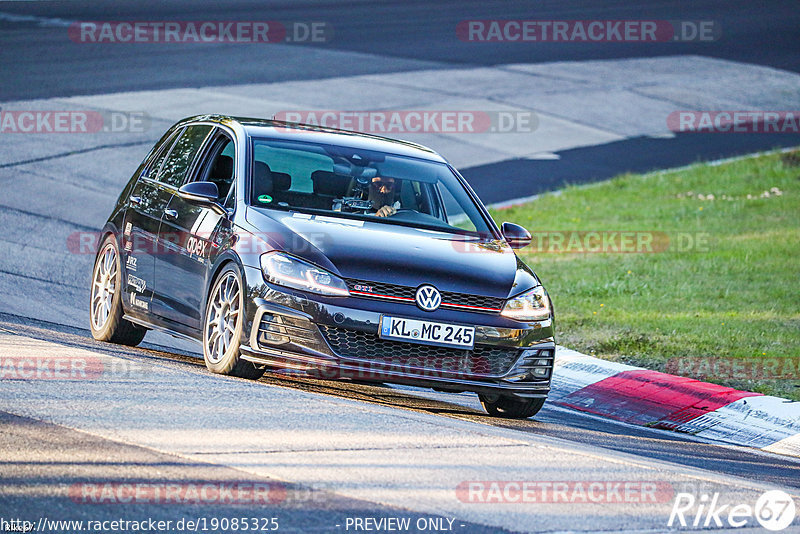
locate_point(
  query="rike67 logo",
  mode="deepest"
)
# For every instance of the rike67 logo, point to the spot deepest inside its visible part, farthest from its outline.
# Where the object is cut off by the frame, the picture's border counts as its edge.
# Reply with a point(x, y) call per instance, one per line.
point(774, 510)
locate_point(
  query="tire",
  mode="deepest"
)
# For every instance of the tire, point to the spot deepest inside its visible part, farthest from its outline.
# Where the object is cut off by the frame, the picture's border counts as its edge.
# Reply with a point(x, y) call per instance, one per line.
point(105, 301)
point(222, 327)
point(509, 407)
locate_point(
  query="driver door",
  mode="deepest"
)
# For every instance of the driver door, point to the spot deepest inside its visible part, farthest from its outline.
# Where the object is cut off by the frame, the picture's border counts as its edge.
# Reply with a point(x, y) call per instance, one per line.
point(192, 232)
point(173, 172)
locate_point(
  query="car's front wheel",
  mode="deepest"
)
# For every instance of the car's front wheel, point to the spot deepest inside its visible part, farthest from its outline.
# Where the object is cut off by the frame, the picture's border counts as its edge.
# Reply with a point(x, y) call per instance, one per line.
point(222, 333)
point(510, 407)
point(105, 306)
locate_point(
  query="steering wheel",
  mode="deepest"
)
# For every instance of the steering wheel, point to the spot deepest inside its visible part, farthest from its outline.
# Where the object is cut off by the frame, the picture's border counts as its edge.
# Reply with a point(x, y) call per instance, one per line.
point(403, 211)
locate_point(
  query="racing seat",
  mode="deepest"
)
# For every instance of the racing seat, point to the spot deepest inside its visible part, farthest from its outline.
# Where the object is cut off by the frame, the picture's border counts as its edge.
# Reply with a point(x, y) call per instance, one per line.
point(268, 182)
point(281, 181)
point(408, 197)
point(327, 186)
point(262, 182)
point(222, 175)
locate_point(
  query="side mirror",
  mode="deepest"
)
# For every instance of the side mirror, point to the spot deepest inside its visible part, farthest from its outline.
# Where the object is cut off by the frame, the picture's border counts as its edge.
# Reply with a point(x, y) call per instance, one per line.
point(200, 192)
point(515, 235)
point(203, 193)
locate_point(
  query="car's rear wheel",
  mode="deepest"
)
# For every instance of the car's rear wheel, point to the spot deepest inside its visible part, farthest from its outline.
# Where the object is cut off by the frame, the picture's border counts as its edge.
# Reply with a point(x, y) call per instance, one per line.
point(105, 305)
point(510, 407)
point(222, 333)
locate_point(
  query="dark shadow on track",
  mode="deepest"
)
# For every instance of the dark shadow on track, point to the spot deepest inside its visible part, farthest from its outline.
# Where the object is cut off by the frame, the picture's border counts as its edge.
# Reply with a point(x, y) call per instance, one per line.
point(516, 178)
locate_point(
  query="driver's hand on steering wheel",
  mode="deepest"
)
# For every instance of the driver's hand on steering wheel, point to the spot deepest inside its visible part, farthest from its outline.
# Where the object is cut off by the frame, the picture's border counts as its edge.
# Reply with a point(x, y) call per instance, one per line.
point(386, 211)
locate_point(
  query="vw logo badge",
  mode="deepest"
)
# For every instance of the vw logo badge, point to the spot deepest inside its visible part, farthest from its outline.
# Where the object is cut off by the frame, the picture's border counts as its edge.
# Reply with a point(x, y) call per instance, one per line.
point(428, 298)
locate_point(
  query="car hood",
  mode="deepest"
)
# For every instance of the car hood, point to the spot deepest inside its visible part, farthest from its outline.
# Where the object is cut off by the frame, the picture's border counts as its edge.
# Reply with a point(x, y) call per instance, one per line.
point(396, 254)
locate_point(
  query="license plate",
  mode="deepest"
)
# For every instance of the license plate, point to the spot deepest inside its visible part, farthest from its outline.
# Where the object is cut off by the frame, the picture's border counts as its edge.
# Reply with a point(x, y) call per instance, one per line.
point(427, 333)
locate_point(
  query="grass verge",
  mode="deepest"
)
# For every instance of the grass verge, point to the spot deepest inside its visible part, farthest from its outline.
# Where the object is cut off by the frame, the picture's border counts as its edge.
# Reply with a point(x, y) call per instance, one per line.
point(715, 297)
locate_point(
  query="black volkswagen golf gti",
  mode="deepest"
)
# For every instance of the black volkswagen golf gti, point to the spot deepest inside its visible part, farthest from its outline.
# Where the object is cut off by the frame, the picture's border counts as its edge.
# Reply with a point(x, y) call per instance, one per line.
point(345, 255)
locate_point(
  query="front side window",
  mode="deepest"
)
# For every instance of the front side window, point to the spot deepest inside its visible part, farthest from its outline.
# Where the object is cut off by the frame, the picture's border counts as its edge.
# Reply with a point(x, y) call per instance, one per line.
point(361, 184)
point(183, 152)
point(218, 164)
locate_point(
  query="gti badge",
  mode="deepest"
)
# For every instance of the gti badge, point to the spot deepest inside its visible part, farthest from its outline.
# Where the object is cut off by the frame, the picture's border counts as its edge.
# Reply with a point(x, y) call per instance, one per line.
point(362, 288)
point(428, 298)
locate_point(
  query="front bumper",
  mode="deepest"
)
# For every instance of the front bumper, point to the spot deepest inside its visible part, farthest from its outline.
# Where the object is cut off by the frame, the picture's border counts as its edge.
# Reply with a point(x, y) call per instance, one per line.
point(338, 338)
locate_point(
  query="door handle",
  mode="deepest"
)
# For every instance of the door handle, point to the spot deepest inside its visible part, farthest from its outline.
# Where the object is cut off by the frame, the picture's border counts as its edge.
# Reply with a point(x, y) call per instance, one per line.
point(170, 214)
point(136, 201)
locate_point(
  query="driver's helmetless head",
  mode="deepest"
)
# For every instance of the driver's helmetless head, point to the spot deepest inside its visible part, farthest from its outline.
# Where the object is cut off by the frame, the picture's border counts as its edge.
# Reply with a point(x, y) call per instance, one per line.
point(383, 184)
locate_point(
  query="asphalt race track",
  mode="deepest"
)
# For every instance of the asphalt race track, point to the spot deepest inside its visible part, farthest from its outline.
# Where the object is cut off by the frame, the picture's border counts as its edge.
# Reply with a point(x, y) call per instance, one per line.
point(336, 449)
point(387, 37)
point(325, 453)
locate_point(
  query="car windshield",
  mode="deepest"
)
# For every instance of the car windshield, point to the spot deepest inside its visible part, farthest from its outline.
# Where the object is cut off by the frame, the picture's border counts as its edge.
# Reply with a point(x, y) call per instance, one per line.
point(356, 184)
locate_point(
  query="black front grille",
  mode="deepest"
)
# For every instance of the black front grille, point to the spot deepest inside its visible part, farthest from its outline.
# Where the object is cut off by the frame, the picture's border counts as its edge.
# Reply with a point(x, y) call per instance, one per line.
point(413, 357)
point(449, 299)
point(465, 299)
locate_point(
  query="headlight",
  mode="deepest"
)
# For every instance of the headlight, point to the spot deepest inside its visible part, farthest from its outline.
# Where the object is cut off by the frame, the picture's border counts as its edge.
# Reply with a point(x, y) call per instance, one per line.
point(284, 270)
point(533, 305)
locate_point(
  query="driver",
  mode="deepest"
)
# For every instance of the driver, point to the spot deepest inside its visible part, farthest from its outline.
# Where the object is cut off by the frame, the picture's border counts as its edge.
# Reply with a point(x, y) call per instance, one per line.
point(381, 194)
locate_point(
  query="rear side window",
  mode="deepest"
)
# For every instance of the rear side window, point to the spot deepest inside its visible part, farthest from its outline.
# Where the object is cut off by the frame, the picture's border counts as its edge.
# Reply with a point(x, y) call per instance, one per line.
point(183, 153)
point(161, 155)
